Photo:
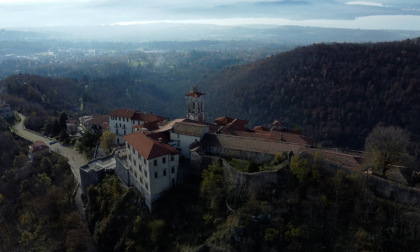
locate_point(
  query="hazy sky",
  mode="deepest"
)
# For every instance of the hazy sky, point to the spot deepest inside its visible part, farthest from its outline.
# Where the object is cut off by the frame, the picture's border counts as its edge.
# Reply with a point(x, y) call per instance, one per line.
point(374, 14)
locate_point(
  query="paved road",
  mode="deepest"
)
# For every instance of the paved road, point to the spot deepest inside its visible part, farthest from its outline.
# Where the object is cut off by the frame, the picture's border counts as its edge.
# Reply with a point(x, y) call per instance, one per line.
point(76, 160)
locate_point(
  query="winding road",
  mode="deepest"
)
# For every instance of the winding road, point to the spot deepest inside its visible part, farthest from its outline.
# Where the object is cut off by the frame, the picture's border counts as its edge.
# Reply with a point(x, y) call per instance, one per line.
point(75, 159)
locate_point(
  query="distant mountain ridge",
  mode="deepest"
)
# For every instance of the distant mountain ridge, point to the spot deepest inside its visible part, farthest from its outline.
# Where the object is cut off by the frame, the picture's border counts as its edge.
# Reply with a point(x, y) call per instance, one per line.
point(336, 92)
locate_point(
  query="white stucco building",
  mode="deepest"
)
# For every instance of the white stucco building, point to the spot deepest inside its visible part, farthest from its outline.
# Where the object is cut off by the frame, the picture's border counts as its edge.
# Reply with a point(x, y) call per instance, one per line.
point(183, 134)
point(152, 164)
point(126, 121)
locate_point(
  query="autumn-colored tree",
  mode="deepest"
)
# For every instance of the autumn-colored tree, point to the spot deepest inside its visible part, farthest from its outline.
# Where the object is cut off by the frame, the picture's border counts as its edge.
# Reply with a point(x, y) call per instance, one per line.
point(386, 146)
point(301, 167)
point(107, 141)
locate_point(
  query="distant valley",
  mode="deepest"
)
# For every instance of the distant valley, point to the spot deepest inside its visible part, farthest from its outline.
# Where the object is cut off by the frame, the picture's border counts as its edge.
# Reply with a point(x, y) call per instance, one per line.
point(334, 92)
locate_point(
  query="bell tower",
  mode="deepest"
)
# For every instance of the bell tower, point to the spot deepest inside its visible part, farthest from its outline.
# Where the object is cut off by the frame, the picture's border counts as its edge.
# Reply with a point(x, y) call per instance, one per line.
point(195, 106)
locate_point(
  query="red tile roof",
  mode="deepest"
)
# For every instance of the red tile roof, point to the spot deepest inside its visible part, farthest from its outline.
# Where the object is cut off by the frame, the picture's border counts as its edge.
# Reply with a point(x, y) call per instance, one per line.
point(162, 135)
point(223, 121)
point(99, 120)
point(260, 128)
point(274, 135)
point(150, 126)
point(249, 144)
point(126, 113)
point(38, 146)
point(237, 125)
point(148, 147)
point(194, 93)
point(138, 116)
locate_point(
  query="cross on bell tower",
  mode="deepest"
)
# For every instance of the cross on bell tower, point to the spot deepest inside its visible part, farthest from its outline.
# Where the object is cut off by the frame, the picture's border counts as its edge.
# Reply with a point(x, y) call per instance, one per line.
point(195, 106)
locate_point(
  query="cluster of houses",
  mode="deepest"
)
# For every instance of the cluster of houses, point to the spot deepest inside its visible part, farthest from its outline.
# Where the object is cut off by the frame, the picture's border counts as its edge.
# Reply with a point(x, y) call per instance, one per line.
point(150, 160)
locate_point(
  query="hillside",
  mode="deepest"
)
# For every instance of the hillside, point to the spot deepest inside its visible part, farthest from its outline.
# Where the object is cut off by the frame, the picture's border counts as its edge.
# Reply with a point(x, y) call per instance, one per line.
point(336, 92)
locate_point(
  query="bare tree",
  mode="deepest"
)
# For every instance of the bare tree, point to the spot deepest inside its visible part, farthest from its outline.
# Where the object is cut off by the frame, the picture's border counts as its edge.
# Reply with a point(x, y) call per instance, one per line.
point(386, 146)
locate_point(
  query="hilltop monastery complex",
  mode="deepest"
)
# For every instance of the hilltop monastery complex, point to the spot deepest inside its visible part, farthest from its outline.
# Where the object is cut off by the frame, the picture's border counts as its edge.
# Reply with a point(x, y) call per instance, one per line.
point(154, 146)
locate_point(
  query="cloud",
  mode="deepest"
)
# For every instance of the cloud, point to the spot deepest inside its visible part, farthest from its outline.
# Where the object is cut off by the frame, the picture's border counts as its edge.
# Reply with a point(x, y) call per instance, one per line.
point(365, 3)
point(36, 13)
point(397, 22)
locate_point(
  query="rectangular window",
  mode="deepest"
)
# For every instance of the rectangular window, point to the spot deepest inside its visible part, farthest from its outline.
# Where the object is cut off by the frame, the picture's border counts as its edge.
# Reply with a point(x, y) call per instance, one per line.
point(144, 161)
point(163, 160)
point(156, 174)
point(155, 162)
point(147, 186)
point(164, 172)
point(172, 169)
point(172, 158)
point(145, 173)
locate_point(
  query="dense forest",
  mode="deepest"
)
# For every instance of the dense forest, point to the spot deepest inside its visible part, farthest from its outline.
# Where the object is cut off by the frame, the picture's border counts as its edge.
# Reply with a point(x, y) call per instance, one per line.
point(37, 211)
point(335, 92)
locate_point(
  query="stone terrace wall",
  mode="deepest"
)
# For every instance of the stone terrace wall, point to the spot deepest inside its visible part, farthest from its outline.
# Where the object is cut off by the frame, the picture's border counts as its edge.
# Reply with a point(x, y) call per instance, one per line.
point(237, 177)
point(395, 192)
point(381, 187)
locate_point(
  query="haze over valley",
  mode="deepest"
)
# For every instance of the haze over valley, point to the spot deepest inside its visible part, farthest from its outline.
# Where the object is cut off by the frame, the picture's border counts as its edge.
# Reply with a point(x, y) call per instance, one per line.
point(185, 125)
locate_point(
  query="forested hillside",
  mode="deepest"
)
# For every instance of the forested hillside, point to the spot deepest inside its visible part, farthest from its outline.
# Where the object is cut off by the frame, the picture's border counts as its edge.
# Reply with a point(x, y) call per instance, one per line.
point(37, 211)
point(336, 92)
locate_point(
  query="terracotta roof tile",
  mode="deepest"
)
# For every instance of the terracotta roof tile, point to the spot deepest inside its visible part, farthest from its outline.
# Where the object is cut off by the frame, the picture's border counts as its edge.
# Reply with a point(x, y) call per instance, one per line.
point(231, 123)
point(274, 135)
point(38, 146)
point(148, 147)
point(126, 113)
point(194, 93)
point(138, 116)
point(223, 121)
point(249, 144)
point(99, 120)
